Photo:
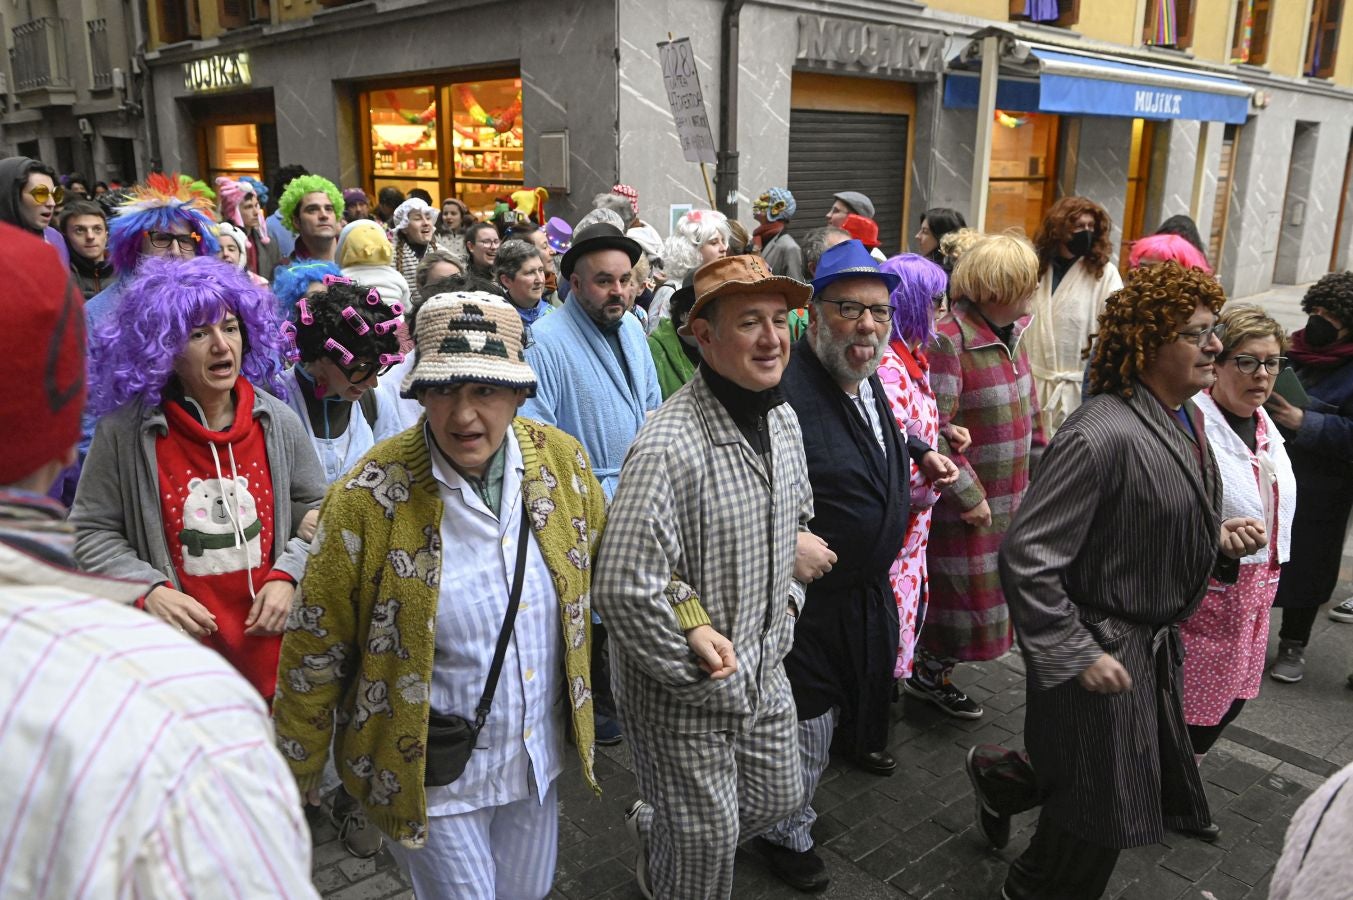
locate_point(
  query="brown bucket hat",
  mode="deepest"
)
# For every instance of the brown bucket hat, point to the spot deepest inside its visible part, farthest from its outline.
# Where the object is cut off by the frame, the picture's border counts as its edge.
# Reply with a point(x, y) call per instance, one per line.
point(743, 274)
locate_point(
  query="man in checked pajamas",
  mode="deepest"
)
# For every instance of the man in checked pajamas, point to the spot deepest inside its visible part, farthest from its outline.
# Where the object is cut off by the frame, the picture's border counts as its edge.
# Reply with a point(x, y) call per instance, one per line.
point(700, 578)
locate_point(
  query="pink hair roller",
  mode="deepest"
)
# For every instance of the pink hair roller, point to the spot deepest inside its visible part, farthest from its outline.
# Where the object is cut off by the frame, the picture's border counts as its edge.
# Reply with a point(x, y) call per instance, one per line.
point(373, 297)
point(344, 353)
point(293, 353)
point(387, 326)
point(353, 318)
point(397, 308)
point(334, 279)
point(306, 317)
point(389, 359)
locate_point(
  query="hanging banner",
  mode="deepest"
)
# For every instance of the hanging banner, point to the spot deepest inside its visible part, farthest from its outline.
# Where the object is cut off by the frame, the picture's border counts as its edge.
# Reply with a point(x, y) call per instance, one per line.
point(688, 104)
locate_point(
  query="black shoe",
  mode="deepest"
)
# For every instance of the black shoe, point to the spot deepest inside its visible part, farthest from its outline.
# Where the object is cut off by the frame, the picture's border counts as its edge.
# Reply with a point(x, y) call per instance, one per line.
point(608, 732)
point(993, 826)
point(802, 871)
point(947, 697)
point(1209, 832)
point(880, 763)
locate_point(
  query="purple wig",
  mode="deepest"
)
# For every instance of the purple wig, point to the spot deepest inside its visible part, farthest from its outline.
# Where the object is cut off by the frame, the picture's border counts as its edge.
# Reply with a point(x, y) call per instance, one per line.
point(132, 350)
point(914, 297)
point(157, 205)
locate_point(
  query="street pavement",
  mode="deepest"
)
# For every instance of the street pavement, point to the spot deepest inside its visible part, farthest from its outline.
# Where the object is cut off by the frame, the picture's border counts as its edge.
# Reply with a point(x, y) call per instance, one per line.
point(912, 835)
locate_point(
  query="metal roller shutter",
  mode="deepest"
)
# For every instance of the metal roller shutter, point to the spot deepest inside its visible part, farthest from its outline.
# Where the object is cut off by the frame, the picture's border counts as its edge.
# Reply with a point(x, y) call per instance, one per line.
point(831, 152)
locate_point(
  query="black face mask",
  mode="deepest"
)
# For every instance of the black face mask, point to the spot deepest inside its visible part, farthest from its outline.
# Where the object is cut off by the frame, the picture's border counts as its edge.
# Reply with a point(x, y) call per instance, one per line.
point(1320, 332)
point(1080, 243)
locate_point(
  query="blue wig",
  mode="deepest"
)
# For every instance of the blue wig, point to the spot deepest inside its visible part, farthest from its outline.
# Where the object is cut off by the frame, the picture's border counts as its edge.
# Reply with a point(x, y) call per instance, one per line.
point(289, 282)
point(158, 204)
point(914, 297)
point(133, 348)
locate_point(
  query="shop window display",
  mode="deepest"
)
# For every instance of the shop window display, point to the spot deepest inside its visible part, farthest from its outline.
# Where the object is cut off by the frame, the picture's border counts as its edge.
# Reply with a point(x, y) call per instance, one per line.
point(404, 150)
point(232, 151)
point(1023, 164)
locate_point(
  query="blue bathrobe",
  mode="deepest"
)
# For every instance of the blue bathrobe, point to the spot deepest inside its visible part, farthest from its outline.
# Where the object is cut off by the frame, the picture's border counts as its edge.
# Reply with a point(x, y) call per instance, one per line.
point(583, 390)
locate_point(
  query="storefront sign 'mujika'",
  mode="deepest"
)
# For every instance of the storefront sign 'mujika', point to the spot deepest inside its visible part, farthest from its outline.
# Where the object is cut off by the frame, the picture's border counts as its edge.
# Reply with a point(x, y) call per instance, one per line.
point(868, 46)
point(221, 72)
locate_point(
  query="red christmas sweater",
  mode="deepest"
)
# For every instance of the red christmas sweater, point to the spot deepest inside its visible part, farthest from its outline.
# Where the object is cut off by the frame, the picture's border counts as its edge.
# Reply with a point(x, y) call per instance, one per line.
point(217, 509)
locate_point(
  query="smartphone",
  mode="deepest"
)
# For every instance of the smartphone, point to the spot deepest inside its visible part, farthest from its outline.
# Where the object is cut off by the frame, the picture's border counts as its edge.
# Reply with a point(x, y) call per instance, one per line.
point(1289, 387)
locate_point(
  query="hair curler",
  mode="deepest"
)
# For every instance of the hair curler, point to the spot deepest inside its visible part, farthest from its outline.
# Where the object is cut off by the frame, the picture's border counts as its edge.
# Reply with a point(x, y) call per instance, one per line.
point(354, 318)
point(343, 352)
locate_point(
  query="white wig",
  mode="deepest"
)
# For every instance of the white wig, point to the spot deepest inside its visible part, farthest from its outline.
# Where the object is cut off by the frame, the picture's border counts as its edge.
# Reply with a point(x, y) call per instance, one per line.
point(681, 253)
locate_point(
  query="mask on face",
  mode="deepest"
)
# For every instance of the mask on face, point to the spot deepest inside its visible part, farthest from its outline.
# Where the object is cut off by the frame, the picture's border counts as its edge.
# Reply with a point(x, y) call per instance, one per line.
point(1320, 332)
point(1080, 244)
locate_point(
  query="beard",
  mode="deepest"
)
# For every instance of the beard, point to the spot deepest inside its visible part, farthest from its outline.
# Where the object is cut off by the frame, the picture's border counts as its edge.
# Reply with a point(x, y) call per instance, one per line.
point(831, 352)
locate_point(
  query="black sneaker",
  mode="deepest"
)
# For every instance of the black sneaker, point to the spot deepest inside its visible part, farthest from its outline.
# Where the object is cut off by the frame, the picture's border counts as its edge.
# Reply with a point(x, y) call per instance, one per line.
point(803, 871)
point(1342, 612)
point(608, 732)
point(945, 696)
point(993, 826)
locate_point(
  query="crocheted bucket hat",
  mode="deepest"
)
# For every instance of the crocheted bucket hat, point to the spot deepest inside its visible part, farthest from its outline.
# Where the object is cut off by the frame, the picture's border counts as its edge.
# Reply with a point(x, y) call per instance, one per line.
point(469, 336)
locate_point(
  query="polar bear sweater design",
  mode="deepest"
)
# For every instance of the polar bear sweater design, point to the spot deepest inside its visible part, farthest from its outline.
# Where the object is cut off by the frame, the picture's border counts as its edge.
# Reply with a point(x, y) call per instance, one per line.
point(218, 521)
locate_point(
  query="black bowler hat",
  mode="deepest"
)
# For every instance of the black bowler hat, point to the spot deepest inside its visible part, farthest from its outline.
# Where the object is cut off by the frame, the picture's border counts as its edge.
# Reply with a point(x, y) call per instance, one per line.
point(599, 236)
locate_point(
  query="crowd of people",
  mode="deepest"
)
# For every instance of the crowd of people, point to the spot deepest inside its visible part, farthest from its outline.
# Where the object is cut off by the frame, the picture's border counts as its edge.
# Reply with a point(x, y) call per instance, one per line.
point(454, 501)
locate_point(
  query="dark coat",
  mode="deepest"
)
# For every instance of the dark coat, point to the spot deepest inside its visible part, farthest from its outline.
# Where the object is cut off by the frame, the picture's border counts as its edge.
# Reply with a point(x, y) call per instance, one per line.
point(1114, 544)
point(1321, 451)
point(845, 642)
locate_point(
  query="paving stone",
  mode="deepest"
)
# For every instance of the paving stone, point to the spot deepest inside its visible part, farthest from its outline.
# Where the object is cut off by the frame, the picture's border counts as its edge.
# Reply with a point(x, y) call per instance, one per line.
point(1222, 886)
point(355, 869)
point(596, 879)
point(1193, 860)
point(377, 887)
point(1257, 803)
point(1237, 776)
point(858, 842)
point(329, 879)
point(1248, 862)
point(1156, 883)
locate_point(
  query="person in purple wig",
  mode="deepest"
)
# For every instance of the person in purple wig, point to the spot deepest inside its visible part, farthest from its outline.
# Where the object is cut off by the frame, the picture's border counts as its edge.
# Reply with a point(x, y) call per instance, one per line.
point(162, 217)
point(905, 374)
point(198, 481)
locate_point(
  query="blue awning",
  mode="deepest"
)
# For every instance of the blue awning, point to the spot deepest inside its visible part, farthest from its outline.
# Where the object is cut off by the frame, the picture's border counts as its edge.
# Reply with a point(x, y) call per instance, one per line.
point(1059, 82)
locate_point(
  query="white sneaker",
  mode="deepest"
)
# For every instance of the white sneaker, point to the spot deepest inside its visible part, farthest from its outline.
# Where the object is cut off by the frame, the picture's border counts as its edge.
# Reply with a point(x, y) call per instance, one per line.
point(1342, 612)
point(640, 848)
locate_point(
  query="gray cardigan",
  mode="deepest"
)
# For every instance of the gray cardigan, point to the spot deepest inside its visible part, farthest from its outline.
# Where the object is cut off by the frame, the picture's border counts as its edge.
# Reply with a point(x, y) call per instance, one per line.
point(119, 531)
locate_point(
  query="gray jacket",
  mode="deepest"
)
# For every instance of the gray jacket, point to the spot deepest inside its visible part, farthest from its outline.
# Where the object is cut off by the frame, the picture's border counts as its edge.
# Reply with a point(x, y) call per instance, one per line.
point(119, 531)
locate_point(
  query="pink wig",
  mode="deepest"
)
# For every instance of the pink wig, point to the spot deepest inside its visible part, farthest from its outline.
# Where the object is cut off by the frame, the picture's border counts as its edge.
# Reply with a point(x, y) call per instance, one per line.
point(231, 194)
point(132, 350)
point(1158, 248)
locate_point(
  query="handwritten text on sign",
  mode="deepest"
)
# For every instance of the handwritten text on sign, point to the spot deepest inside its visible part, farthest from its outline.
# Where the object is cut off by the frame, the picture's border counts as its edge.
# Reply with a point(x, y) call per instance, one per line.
point(688, 104)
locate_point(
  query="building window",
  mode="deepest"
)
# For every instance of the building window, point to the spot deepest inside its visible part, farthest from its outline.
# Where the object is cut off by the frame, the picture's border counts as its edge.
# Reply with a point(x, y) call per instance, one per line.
point(232, 151)
point(459, 139)
point(1138, 186)
point(1023, 167)
point(1323, 42)
point(179, 21)
point(1062, 13)
point(1168, 23)
point(1249, 41)
point(100, 68)
point(38, 56)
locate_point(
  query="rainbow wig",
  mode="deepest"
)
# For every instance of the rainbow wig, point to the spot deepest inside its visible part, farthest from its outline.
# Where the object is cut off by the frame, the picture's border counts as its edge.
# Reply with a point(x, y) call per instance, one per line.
point(298, 188)
point(132, 350)
point(156, 205)
point(1161, 248)
point(260, 189)
point(289, 282)
point(914, 297)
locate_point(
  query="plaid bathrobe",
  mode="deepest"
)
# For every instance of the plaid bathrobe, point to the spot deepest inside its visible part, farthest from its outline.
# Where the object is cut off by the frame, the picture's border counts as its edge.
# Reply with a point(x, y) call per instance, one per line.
point(986, 387)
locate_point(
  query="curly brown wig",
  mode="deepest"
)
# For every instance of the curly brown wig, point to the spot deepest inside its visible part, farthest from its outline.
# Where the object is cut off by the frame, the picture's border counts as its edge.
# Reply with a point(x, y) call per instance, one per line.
point(1057, 227)
point(1153, 304)
point(1333, 294)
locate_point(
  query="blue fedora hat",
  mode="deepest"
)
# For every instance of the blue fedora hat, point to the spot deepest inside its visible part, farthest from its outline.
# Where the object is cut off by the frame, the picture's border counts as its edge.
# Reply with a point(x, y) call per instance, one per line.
point(849, 259)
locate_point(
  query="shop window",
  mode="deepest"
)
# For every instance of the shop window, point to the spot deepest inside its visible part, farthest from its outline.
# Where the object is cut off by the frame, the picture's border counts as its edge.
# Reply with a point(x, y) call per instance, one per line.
point(1249, 41)
point(1139, 182)
point(1023, 165)
point(179, 21)
point(1222, 206)
point(1168, 23)
point(1323, 41)
point(232, 151)
point(474, 153)
point(1061, 13)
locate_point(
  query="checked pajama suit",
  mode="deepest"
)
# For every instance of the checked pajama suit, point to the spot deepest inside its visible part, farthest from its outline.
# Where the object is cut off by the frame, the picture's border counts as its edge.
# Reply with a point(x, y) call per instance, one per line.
point(713, 758)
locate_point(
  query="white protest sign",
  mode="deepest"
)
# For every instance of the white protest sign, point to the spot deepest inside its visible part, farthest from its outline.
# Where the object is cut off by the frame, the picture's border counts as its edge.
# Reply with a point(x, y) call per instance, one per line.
point(688, 104)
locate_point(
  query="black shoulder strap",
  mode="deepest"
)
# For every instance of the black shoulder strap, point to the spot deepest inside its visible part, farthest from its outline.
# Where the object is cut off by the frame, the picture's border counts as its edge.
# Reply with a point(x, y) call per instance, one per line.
point(505, 635)
point(368, 404)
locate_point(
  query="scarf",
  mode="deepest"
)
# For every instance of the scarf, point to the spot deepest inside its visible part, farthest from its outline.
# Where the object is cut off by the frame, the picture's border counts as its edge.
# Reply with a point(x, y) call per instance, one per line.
point(1328, 357)
point(766, 233)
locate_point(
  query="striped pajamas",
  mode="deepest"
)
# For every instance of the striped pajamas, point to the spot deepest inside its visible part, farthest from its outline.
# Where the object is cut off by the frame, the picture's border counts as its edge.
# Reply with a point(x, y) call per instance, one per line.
point(708, 792)
point(815, 744)
point(506, 852)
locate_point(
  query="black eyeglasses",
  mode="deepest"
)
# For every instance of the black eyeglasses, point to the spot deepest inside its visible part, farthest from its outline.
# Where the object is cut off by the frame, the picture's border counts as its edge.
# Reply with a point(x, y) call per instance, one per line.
point(362, 371)
point(853, 309)
point(1201, 337)
point(164, 239)
point(1248, 365)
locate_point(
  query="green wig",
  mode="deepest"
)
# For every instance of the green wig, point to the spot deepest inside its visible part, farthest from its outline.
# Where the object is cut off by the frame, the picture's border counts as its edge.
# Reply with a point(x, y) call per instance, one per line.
point(298, 188)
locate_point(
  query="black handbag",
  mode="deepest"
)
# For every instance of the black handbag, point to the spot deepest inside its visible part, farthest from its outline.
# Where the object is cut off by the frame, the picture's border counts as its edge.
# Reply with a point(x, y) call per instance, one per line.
point(452, 738)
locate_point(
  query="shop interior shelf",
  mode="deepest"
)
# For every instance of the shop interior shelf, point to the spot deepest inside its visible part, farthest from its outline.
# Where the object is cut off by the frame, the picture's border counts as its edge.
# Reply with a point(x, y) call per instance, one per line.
point(469, 149)
point(494, 180)
point(430, 174)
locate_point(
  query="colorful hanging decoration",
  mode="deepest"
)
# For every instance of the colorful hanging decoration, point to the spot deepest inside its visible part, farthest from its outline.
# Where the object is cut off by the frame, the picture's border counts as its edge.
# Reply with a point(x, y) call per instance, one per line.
point(1246, 29)
point(500, 121)
point(1010, 121)
point(1166, 24)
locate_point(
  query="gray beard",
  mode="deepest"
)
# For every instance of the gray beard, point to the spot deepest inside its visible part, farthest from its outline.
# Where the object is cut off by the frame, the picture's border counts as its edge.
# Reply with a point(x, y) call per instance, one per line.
point(831, 352)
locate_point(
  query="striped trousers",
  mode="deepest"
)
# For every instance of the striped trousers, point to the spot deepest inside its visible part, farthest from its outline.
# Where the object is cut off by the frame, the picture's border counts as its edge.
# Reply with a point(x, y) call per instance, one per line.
point(506, 852)
point(707, 792)
point(815, 744)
